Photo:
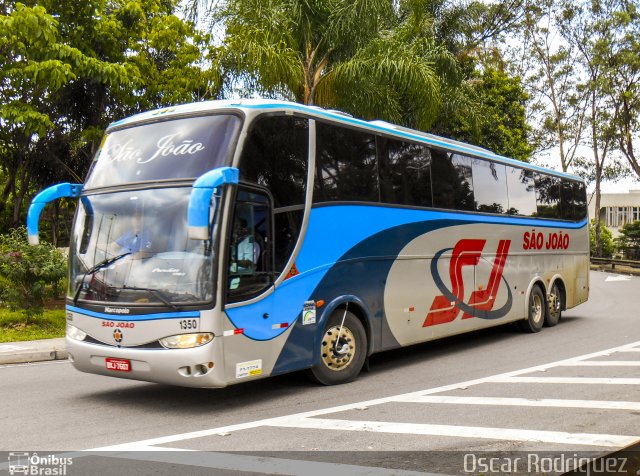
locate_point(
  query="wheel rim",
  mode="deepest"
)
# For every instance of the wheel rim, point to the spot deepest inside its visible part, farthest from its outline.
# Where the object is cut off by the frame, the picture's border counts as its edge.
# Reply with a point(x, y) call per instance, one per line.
point(338, 355)
point(536, 308)
point(554, 302)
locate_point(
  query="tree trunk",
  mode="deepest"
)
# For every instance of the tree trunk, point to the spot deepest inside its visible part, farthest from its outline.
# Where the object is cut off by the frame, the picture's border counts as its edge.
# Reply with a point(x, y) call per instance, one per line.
point(598, 164)
point(596, 218)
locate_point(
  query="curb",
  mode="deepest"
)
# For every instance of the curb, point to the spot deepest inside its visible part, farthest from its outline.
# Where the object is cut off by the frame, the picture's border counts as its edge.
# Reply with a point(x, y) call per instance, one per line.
point(618, 270)
point(33, 351)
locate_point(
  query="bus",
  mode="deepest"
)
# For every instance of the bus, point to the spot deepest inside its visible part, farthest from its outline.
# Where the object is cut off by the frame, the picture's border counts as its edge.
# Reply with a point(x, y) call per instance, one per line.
point(221, 242)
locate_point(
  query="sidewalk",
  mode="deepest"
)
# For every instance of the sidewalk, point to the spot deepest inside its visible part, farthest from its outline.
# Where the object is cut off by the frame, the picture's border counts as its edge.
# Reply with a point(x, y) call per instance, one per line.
point(32, 351)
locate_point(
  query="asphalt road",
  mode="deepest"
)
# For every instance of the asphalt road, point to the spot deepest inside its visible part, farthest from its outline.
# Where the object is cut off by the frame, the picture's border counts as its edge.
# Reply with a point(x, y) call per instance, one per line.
point(428, 404)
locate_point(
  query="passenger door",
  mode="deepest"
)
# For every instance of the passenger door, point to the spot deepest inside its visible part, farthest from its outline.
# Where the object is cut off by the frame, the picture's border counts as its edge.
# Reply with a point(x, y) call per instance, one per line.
point(250, 248)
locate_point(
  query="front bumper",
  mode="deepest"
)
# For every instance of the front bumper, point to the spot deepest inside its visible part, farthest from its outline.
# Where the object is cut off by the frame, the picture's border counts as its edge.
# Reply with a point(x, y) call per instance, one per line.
point(182, 367)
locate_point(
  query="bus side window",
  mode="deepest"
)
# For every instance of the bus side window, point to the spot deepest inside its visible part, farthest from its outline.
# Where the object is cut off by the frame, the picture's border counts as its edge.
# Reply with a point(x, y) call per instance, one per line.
point(275, 156)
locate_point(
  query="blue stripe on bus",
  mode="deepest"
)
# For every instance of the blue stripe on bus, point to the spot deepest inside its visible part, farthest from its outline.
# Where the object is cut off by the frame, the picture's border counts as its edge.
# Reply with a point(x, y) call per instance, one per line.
point(343, 232)
point(140, 317)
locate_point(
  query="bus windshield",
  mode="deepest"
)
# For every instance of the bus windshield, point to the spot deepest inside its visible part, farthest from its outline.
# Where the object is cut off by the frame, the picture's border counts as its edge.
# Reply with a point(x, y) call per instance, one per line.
point(132, 247)
point(173, 149)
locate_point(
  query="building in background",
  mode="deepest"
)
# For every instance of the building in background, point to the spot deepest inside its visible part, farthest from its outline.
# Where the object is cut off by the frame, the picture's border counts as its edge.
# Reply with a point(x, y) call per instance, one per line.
point(616, 209)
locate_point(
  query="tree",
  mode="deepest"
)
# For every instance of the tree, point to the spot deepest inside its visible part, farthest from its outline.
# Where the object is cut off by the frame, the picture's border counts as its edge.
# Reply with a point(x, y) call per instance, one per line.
point(589, 28)
point(35, 63)
point(560, 102)
point(629, 239)
point(70, 70)
point(500, 124)
point(622, 58)
point(367, 57)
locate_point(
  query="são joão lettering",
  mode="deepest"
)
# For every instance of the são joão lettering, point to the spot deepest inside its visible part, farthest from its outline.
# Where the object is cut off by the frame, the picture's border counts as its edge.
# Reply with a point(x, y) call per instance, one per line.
point(122, 325)
point(533, 240)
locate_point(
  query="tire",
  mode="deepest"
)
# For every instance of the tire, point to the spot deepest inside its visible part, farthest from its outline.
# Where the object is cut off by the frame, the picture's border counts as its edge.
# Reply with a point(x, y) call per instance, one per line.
point(536, 312)
point(554, 308)
point(341, 364)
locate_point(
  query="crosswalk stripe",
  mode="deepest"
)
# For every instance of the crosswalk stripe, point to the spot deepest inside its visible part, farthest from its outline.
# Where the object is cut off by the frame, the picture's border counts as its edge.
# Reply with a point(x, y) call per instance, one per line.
point(568, 380)
point(511, 434)
point(507, 377)
point(603, 363)
point(522, 402)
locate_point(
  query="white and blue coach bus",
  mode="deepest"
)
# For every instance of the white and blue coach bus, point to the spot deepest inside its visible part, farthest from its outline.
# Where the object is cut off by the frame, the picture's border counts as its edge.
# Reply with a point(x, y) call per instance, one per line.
point(221, 242)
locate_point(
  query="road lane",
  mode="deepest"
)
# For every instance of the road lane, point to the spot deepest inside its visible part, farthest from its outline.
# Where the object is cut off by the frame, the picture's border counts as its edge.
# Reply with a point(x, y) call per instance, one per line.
point(87, 411)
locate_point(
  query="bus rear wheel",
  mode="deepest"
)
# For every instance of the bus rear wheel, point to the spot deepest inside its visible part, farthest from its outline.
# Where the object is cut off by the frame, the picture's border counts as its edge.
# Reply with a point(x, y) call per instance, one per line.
point(537, 310)
point(555, 306)
point(343, 350)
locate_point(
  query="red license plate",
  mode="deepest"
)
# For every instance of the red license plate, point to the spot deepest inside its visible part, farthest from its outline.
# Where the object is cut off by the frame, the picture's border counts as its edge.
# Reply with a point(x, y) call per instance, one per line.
point(120, 365)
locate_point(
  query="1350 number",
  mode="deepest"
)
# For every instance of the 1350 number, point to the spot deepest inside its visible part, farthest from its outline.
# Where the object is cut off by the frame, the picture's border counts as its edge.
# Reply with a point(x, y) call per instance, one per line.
point(188, 324)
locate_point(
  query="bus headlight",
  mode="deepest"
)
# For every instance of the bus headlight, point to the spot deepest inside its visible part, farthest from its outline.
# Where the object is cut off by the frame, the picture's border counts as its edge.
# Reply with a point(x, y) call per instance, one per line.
point(186, 341)
point(75, 333)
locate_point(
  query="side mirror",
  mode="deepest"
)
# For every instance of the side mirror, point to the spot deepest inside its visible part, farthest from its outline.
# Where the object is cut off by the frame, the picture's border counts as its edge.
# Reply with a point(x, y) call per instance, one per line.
point(200, 199)
point(38, 203)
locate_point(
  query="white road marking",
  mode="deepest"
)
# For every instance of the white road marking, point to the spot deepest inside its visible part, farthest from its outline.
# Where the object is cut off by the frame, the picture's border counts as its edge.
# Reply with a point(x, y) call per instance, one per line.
point(618, 277)
point(632, 349)
point(509, 434)
point(353, 406)
point(604, 363)
point(569, 380)
point(522, 402)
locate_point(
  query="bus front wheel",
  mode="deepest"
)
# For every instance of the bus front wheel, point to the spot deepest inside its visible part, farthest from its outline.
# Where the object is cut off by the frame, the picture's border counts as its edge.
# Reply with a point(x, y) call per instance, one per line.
point(343, 349)
point(537, 310)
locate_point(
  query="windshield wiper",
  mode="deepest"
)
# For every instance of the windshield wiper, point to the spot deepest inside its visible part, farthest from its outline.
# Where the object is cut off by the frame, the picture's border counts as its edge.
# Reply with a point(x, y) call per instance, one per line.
point(157, 293)
point(94, 269)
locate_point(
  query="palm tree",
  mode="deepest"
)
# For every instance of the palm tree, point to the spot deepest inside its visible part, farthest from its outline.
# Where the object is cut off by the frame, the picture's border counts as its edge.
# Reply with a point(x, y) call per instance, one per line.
point(377, 58)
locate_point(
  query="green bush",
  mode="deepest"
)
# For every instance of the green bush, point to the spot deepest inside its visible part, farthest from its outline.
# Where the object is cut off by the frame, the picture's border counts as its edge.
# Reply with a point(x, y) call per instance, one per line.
point(629, 239)
point(606, 240)
point(29, 273)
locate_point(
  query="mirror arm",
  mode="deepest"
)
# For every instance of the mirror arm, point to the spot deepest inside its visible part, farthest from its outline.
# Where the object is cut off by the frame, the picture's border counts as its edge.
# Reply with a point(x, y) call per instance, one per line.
point(38, 203)
point(200, 199)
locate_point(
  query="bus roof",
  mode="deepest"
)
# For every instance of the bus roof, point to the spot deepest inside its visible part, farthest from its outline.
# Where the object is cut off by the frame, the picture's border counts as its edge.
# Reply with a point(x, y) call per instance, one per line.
point(374, 126)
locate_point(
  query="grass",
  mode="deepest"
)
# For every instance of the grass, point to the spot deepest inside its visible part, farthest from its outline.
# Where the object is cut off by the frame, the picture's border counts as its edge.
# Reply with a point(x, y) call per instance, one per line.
point(13, 326)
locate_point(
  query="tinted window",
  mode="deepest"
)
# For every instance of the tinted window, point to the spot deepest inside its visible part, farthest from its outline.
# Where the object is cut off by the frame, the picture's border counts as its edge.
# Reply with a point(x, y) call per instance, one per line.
point(574, 200)
point(345, 165)
point(405, 172)
point(451, 181)
point(490, 187)
point(522, 192)
point(547, 195)
point(275, 156)
point(580, 200)
point(179, 148)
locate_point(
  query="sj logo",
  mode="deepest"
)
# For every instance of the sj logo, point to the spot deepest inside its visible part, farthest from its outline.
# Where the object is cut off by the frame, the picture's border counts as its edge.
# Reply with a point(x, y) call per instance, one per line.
point(446, 307)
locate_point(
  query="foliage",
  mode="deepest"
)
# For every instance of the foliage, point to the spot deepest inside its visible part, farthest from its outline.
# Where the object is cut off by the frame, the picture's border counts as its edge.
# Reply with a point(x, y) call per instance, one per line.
point(30, 273)
point(69, 69)
point(501, 123)
point(552, 74)
point(365, 57)
point(629, 238)
point(606, 239)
